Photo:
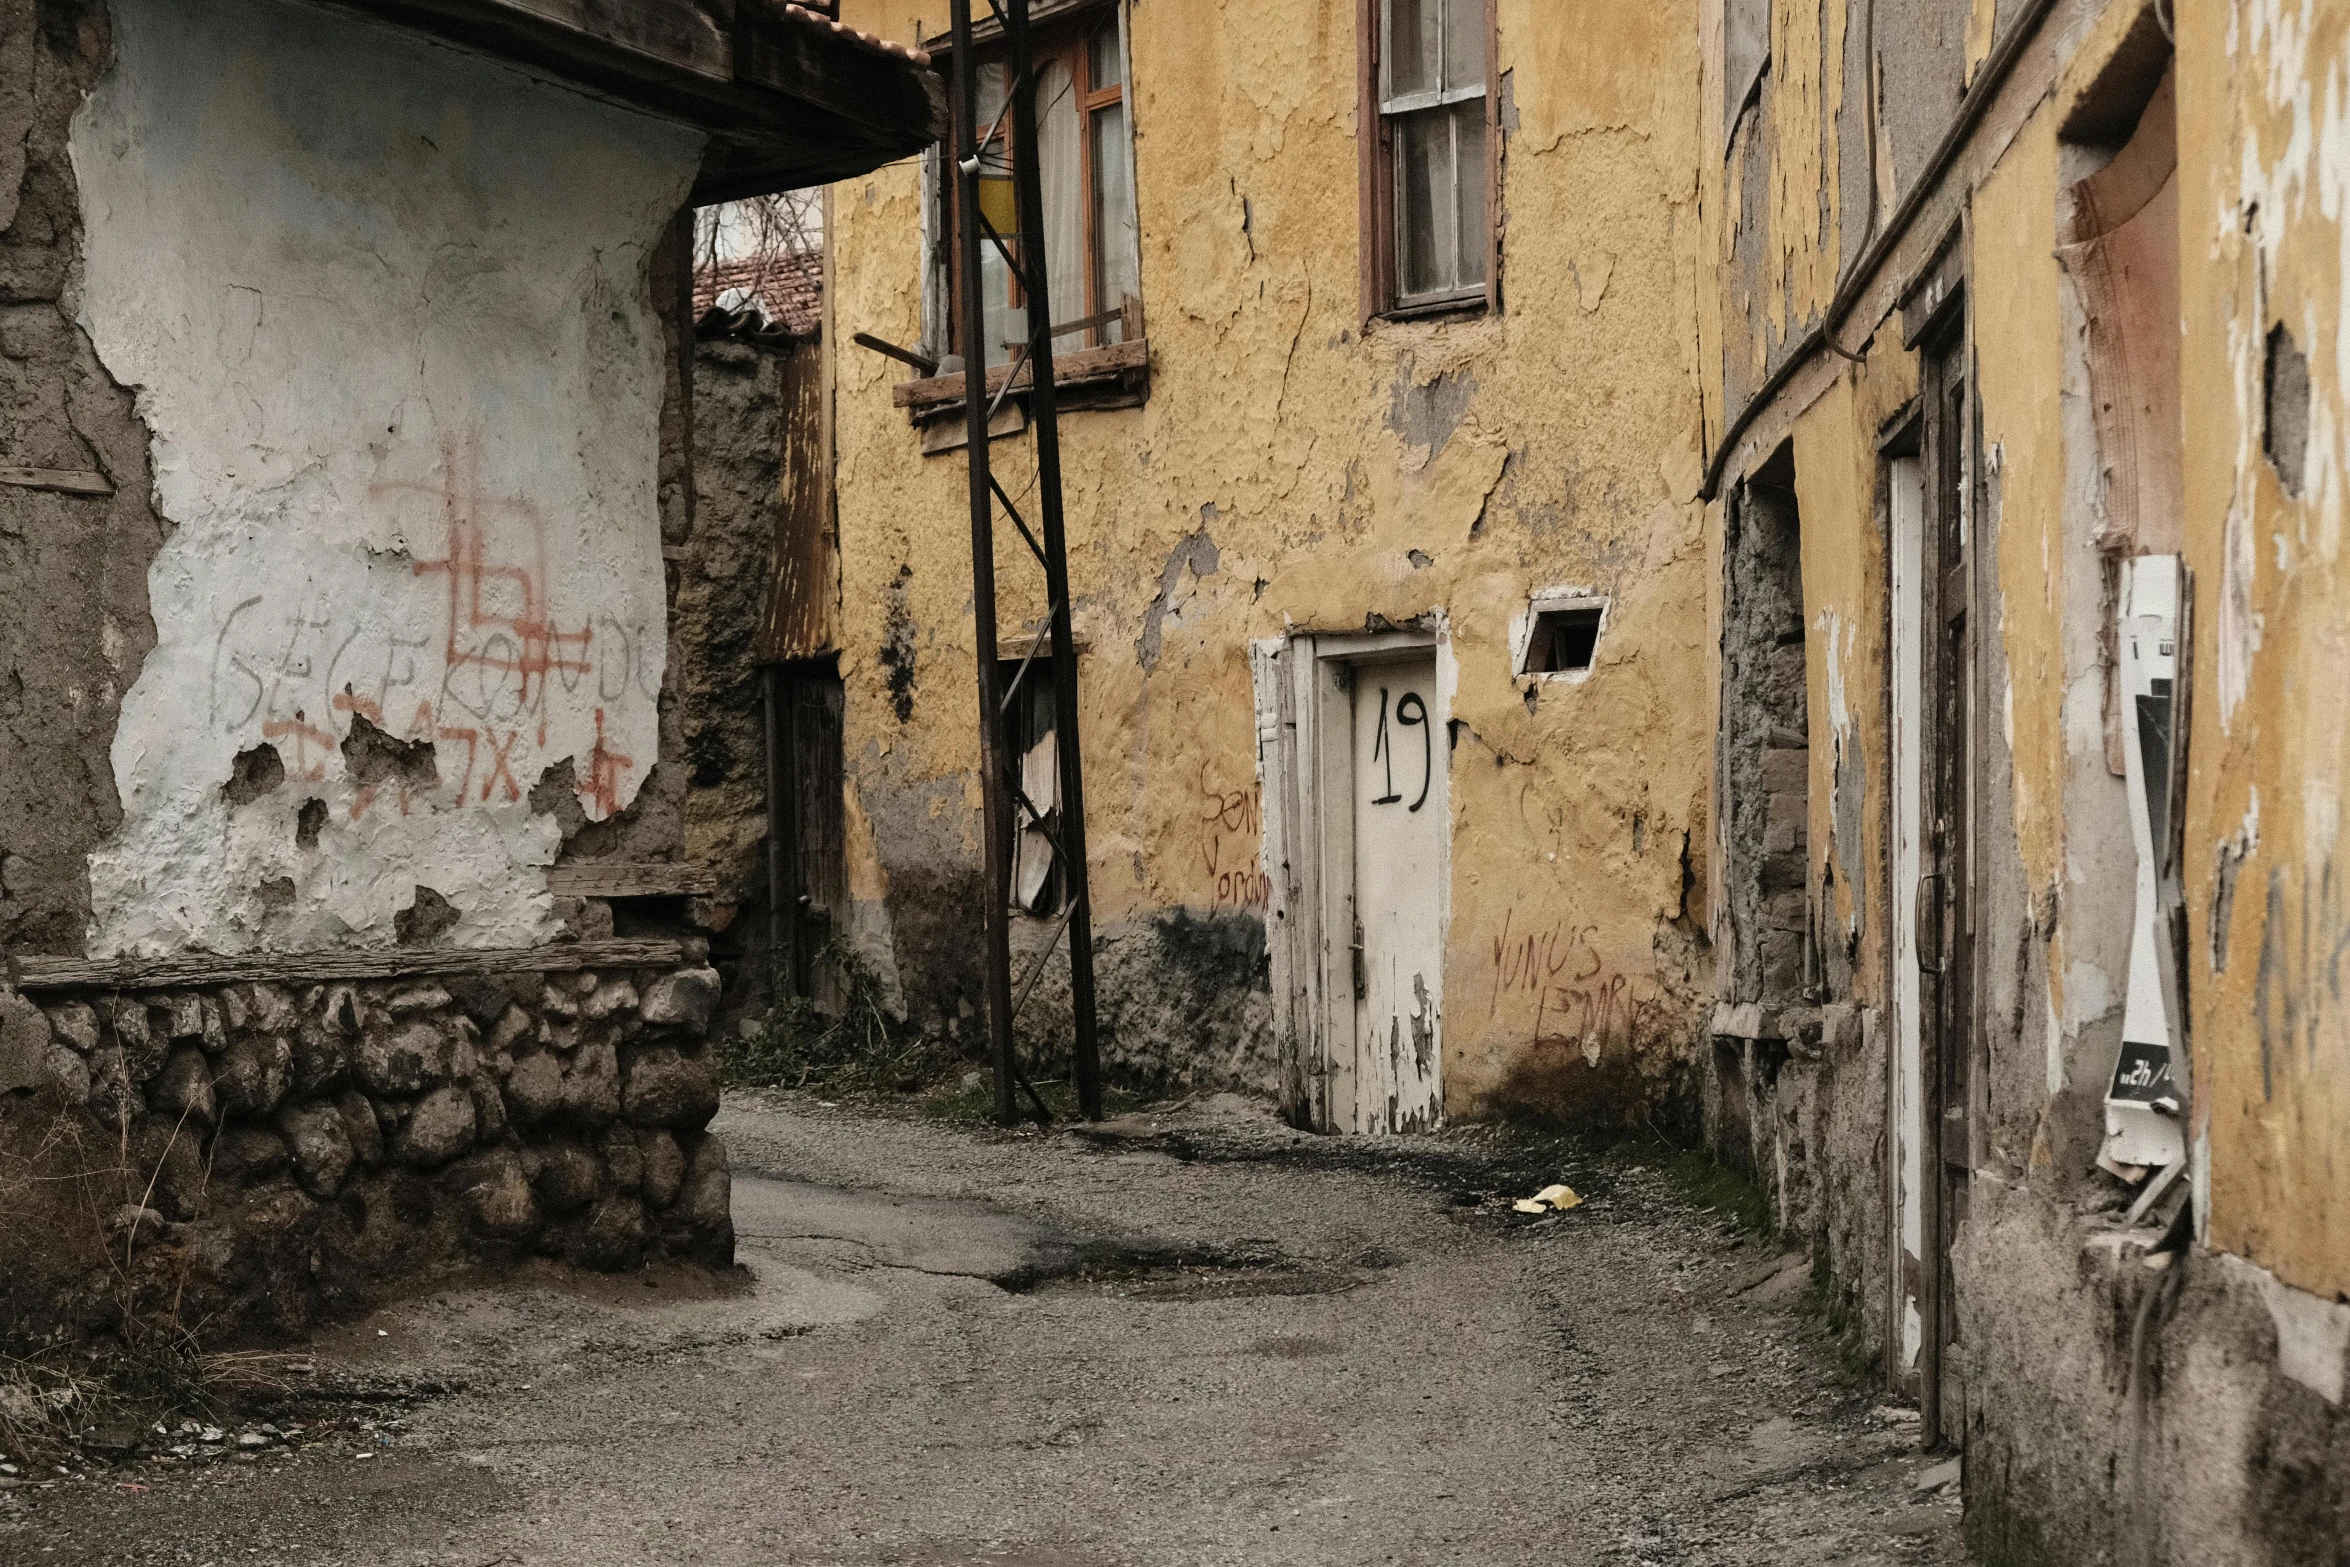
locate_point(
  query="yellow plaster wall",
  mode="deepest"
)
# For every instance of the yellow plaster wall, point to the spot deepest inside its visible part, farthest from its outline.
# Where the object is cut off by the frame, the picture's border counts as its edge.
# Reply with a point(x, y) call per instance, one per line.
point(2017, 352)
point(1806, 78)
point(1275, 430)
point(1846, 653)
point(2264, 111)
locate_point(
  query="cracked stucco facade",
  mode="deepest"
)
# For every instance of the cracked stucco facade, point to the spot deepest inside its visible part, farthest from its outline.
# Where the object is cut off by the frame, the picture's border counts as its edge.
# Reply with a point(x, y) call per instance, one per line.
point(2109, 1412)
point(1293, 469)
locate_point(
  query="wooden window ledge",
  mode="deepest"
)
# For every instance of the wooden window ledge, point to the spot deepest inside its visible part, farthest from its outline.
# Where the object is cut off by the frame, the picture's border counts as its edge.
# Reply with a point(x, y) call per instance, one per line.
point(1114, 376)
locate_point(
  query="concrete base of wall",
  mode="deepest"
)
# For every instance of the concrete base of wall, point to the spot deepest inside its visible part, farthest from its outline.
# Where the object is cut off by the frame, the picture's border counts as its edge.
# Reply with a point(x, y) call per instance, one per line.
point(2117, 1412)
point(1798, 1103)
point(260, 1156)
point(1185, 1002)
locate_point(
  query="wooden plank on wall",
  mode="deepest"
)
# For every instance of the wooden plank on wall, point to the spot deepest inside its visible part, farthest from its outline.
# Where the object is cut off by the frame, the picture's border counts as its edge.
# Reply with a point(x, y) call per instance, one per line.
point(801, 593)
point(656, 879)
point(62, 973)
point(1070, 368)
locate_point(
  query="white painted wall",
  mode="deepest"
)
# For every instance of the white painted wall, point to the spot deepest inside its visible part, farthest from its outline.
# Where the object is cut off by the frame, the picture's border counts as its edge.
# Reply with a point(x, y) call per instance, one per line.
point(384, 306)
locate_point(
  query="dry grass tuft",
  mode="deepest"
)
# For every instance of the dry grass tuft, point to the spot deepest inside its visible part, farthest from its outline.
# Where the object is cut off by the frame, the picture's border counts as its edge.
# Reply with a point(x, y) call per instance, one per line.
point(123, 1348)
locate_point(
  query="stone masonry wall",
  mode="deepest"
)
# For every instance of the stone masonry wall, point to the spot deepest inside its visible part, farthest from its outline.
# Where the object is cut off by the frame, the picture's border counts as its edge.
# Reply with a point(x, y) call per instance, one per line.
point(295, 1148)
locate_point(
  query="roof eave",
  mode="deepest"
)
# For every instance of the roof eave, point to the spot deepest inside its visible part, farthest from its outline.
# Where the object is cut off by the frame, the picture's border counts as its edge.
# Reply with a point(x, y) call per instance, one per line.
point(787, 99)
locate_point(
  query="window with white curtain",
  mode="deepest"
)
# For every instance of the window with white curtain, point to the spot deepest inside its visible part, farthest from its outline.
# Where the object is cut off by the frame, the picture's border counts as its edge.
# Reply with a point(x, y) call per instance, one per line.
point(1092, 258)
point(1432, 107)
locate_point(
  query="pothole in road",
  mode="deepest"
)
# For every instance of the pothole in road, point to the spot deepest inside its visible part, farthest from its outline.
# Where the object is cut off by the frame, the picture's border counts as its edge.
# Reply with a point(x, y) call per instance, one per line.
point(1194, 1280)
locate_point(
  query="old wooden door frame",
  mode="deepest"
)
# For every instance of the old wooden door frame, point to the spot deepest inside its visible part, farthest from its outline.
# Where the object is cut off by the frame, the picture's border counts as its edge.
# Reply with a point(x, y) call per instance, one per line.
point(1952, 1078)
point(1907, 522)
point(1305, 719)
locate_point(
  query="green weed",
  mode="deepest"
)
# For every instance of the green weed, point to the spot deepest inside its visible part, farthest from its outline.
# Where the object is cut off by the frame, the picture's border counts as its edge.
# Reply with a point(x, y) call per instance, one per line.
point(859, 1049)
point(1719, 1189)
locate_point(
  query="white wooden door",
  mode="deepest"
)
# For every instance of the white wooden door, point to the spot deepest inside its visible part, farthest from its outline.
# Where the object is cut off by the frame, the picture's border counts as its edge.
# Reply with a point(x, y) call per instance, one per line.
point(1400, 821)
point(1907, 494)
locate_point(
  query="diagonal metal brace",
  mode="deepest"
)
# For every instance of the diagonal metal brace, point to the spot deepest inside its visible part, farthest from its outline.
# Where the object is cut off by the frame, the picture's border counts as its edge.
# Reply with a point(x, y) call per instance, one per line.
point(1013, 512)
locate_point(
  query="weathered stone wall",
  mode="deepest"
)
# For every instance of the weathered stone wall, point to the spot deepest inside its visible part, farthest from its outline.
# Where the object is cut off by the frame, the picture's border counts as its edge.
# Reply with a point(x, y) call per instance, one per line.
point(299, 1146)
point(1765, 739)
point(74, 626)
point(722, 587)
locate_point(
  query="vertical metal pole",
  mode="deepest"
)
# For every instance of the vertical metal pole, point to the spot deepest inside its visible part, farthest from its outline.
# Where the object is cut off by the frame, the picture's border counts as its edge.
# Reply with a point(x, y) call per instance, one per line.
point(996, 897)
point(1028, 185)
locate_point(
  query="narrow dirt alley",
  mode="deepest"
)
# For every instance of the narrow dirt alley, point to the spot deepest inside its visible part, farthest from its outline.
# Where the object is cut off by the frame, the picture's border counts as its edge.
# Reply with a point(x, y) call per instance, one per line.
point(1194, 1338)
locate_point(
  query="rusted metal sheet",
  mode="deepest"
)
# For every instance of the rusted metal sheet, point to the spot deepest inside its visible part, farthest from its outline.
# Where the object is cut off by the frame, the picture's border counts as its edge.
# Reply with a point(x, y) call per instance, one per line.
point(805, 585)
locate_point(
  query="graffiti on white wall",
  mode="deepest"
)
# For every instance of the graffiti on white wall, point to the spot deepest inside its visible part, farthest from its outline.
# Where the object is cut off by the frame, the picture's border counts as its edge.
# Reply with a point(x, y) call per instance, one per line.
point(385, 309)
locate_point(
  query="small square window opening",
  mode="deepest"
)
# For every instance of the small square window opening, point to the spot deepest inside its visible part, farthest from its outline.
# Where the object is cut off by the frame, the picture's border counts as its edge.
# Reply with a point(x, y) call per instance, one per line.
point(1562, 641)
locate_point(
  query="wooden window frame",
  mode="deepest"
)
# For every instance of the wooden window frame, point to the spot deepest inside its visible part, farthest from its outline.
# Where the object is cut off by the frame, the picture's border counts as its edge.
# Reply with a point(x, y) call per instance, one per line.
point(1065, 36)
point(1375, 142)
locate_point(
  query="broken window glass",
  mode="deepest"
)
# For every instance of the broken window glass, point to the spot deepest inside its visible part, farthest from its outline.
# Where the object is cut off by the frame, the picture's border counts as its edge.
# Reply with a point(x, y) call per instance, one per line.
point(1032, 755)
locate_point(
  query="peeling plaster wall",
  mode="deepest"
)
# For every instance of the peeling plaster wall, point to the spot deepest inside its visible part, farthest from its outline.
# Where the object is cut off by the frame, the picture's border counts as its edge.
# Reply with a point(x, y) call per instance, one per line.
point(1292, 469)
point(2264, 104)
point(2111, 1411)
point(1788, 188)
point(386, 310)
point(2050, 821)
point(74, 565)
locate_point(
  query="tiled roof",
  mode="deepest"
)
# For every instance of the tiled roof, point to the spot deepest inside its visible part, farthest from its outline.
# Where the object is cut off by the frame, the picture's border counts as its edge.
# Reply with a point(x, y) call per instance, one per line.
point(789, 285)
point(813, 16)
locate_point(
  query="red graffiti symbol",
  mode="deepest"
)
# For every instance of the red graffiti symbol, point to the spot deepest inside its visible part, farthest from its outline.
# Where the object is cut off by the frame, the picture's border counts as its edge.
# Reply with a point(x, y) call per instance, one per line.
point(498, 618)
point(472, 739)
point(605, 770)
point(365, 706)
point(305, 735)
point(500, 759)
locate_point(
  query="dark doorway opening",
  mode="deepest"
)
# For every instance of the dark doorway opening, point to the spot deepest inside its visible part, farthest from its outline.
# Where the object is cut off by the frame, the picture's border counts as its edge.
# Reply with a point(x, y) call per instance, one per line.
point(806, 858)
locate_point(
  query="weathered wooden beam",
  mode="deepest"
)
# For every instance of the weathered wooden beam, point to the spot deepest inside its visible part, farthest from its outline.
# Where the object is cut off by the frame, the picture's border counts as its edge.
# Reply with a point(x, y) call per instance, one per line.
point(73, 481)
point(295, 968)
point(656, 879)
point(1067, 368)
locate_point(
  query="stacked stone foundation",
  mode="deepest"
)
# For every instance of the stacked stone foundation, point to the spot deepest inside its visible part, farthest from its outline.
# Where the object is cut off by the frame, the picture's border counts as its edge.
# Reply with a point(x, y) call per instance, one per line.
point(271, 1154)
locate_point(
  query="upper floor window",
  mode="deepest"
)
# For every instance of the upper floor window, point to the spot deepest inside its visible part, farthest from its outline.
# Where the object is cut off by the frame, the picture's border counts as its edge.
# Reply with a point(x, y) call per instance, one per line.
point(1091, 254)
point(1429, 239)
